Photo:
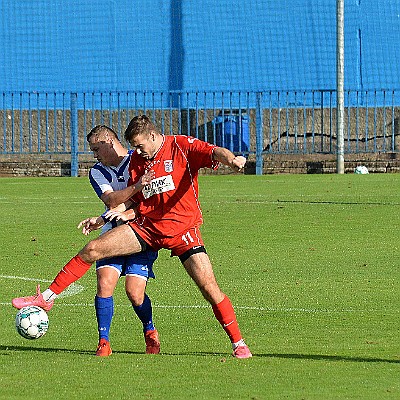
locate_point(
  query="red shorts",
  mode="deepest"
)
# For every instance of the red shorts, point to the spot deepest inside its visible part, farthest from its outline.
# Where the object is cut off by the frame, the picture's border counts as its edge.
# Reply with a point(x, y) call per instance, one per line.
point(178, 245)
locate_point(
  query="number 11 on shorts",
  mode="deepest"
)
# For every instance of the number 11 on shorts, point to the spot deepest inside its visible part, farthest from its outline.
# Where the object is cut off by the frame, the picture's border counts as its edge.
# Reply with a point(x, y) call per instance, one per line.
point(187, 238)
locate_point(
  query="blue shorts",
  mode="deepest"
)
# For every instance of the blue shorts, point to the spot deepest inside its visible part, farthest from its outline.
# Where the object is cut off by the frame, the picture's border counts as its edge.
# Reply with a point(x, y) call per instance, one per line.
point(139, 264)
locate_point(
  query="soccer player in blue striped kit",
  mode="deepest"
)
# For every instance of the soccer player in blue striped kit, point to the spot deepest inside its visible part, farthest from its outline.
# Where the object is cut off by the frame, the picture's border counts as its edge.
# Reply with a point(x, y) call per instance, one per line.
point(108, 175)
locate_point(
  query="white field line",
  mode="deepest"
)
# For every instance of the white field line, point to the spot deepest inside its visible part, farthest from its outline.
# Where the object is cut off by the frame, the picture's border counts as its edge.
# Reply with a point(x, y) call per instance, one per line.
point(248, 308)
point(75, 289)
point(72, 290)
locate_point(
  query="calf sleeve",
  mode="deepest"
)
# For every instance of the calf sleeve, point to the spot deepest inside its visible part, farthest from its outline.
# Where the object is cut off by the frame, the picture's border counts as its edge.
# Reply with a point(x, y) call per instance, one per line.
point(71, 272)
point(225, 315)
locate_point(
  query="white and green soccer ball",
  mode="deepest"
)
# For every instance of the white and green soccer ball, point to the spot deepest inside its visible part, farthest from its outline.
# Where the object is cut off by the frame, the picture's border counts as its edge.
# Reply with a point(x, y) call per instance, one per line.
point(361, 169)
point(31, 322)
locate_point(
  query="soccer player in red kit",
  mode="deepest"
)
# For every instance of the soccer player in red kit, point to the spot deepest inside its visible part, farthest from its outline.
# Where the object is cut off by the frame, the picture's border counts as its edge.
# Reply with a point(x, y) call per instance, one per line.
point(168, 208)
point(168, 213)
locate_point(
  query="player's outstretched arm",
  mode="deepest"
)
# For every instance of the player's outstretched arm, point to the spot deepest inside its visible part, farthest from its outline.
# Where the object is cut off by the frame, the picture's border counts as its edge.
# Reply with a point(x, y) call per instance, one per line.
point(226, 157)
point(113, 199)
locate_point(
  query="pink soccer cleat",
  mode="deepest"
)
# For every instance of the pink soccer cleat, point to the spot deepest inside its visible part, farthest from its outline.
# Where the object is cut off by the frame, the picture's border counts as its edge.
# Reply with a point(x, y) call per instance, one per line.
point(36, 300)
point(152, 342)
point(242, 352)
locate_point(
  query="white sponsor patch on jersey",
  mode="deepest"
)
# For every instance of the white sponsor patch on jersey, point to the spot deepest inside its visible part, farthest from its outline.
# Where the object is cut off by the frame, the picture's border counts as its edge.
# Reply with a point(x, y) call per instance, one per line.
point(159, 185)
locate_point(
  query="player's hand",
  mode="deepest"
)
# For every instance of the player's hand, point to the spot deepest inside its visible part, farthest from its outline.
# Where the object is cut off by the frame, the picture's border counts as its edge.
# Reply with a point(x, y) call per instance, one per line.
point(146, 178)
point(120, 216)
point(91, 224)
point(238, 163)
point(115, 215)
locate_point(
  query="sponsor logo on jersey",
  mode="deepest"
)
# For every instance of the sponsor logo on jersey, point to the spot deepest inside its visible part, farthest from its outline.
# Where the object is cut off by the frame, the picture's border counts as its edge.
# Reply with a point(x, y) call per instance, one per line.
point(159, 185)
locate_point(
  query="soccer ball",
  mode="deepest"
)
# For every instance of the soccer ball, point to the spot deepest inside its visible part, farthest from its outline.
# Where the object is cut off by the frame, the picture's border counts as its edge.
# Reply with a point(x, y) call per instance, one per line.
point(361, 169)
point(31, 322)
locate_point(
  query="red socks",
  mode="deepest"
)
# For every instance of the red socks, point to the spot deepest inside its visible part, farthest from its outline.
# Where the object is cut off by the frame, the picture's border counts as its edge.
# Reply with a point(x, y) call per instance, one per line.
point(71, 272)
point(225, 315)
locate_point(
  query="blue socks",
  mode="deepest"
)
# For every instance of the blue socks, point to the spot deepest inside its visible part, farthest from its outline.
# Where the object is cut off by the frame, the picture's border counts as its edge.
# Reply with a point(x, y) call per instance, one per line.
point(145, 314)
point(104, 313)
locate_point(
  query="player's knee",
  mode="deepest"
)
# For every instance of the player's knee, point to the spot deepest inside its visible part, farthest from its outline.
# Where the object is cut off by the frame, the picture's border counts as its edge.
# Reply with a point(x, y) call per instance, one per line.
point(105, 285)
point(136, 297)
point(90, 252)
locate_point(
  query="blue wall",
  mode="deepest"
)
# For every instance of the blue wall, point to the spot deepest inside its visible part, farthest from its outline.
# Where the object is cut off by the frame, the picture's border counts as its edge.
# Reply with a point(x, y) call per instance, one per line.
point(203, 45)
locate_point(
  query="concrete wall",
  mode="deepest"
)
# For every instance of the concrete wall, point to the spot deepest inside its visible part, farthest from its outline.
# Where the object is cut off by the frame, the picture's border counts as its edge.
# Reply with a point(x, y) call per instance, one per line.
point(273, 164)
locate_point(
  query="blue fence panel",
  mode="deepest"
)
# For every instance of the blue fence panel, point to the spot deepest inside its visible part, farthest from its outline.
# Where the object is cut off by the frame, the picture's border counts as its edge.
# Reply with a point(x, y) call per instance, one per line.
point(250, 123)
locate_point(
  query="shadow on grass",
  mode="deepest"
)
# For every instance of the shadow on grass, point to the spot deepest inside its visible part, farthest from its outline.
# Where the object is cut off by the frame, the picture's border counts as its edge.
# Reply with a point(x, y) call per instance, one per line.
point(323, 357)
point(5, 348)
point(330, 358)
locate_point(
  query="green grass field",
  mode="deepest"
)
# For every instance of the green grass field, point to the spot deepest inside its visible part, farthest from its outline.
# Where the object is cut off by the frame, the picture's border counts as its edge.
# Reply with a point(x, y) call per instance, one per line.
point(310, 262)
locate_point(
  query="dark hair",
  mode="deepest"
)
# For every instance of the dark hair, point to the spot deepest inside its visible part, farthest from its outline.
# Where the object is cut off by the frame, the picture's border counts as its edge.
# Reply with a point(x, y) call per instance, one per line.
point(99, 129)
point(139, 125)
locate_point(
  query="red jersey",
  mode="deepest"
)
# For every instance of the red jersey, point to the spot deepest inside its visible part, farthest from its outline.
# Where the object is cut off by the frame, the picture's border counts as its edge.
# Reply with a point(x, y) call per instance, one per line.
point(170, 205)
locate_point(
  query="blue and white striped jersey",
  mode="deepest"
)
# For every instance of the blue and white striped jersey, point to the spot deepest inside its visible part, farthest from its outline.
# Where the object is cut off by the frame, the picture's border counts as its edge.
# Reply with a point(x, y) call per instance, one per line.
point(104, 178)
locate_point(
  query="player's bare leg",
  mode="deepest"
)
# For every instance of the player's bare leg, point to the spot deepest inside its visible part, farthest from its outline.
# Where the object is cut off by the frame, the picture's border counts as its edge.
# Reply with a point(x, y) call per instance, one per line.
point(199, 267)
point(107, 279)
point(119, 241)
point(135, 288)
point(116, 242)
